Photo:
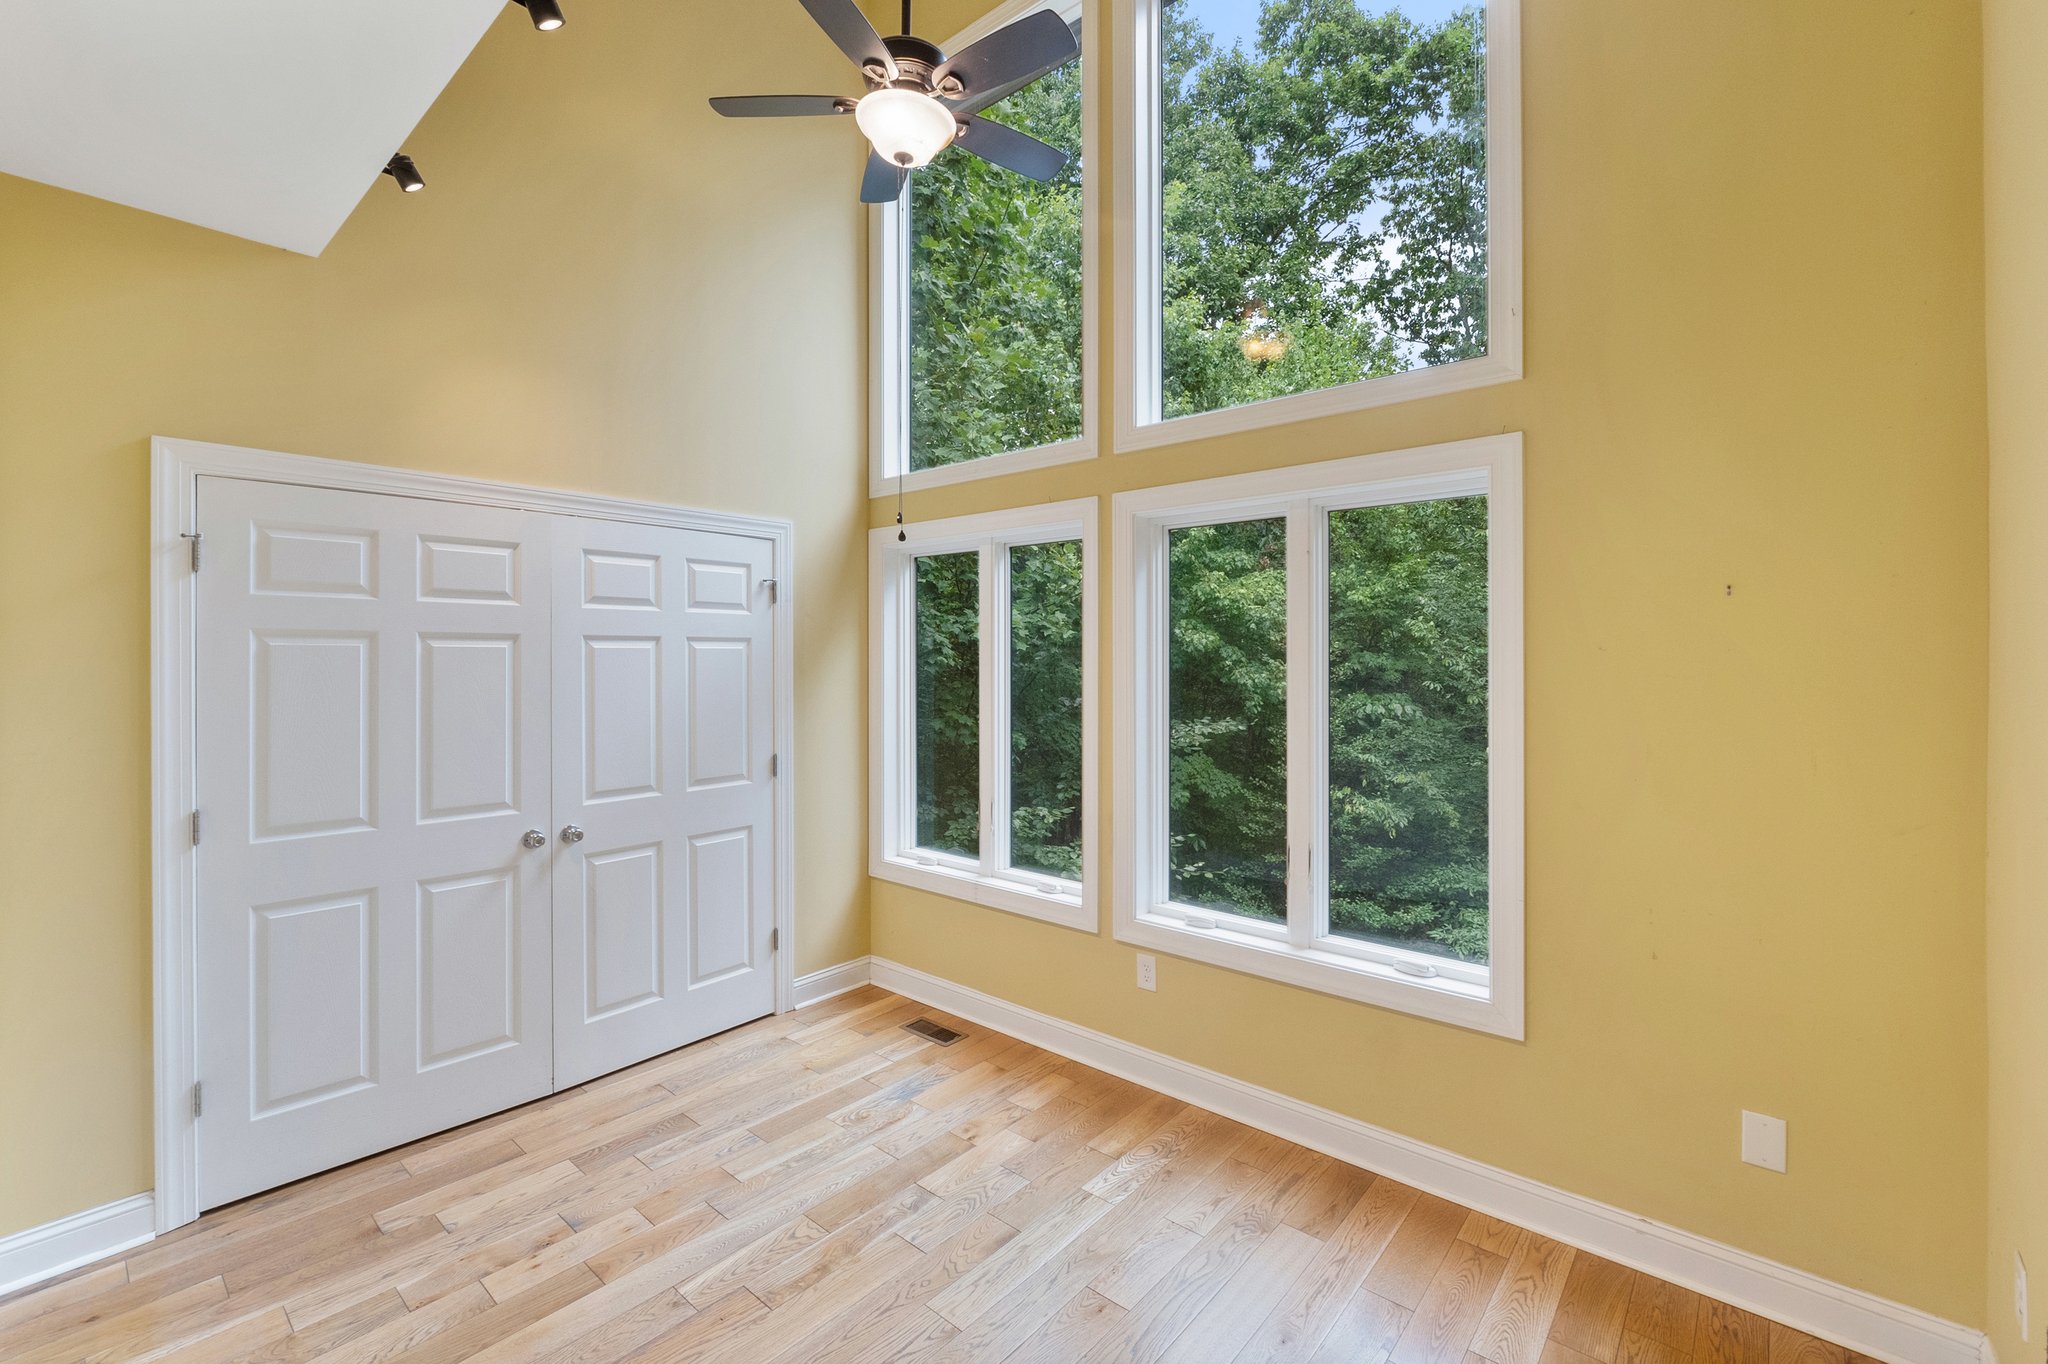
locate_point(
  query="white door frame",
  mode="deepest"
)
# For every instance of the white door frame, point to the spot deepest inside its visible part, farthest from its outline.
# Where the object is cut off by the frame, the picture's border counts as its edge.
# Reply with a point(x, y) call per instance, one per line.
point(175, 468)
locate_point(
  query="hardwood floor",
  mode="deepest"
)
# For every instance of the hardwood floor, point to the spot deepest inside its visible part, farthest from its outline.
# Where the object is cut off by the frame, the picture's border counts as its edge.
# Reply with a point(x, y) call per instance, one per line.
point(827, 1188)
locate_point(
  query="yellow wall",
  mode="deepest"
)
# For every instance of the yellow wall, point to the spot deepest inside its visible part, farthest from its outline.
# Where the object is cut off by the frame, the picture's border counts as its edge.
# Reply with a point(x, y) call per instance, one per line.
point(2016, 308)
point(603, 288)
point(1755, 358)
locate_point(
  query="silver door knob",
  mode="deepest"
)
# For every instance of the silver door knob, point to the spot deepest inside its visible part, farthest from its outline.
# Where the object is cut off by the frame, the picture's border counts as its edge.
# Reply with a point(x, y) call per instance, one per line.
point(534, 839)
point(571, 834)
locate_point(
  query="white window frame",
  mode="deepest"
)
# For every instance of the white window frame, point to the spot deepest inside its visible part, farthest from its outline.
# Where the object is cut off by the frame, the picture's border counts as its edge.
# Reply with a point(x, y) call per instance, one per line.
point(1488, 999)
point(1139, 423)
point(893, 851)
point(889, 311)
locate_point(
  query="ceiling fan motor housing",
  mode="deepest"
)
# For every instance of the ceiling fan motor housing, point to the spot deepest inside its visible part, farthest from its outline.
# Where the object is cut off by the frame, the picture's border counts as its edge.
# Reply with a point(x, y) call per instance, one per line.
point(915, 59)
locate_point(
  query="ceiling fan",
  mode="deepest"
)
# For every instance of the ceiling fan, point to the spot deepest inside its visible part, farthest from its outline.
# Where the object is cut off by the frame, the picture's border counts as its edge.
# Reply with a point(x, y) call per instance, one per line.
point(920, 101)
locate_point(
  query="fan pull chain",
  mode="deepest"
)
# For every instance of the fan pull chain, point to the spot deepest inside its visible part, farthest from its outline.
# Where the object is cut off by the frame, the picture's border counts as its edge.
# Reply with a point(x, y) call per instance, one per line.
point(901, 534)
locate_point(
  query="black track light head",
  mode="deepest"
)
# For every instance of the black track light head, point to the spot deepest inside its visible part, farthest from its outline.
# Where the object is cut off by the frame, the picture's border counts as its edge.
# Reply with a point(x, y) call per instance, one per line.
point(401, 169)
point(546, 14)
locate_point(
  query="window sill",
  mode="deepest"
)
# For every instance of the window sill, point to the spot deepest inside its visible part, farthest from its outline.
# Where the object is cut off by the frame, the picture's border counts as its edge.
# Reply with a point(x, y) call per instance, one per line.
point(988, 466)
point(1067, 909)
point(1368, 393)
point(1445, 1000)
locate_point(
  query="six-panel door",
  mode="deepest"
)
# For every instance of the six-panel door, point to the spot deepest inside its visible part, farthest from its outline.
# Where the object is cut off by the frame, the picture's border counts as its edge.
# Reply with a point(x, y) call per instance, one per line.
point(373, 689)
point(663, 709)
point(381, 954)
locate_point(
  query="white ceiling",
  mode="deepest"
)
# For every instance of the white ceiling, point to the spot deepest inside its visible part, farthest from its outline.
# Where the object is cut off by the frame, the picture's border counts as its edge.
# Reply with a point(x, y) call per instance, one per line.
point(267, 119)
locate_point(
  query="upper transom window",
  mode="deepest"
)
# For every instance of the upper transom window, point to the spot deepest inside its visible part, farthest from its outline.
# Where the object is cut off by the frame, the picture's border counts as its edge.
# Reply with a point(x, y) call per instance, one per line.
point(984, 307)
point(1323, 207)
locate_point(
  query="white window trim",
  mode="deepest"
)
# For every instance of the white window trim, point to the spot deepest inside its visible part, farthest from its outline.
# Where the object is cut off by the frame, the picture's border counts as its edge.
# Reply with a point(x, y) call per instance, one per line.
point(1139, 425)
point(1488, 1000)
point(893, 855)
point(889, 311)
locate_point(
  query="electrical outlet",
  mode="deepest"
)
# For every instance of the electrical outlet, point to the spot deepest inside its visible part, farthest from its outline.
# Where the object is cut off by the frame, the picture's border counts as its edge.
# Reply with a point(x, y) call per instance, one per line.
point(1763, 1141)
point(1148, 971)
point(2019, 1292)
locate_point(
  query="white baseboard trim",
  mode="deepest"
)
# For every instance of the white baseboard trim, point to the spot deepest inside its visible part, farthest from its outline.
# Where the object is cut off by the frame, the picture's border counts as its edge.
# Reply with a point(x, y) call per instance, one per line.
point(833, 980)
point(29, 1257)
point(1863, 1322)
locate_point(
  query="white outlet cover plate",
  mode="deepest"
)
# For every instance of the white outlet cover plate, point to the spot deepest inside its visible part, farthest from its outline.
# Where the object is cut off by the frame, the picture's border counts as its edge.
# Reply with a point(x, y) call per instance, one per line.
point(1148, 971)
point(1763, 1141)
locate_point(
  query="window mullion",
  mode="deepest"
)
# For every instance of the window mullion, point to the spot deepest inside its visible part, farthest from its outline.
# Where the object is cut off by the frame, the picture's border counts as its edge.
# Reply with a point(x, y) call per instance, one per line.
point(1302, 770)
point(1141, 298)
point(1152, 166)
point(995, 694)
point(903, 597)
point(896, 349)
point(1154, 711)
point(1316, 815)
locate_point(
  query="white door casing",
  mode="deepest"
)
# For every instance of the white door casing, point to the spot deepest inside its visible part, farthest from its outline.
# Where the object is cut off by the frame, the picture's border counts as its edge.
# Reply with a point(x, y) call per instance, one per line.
point(663, 696)
point(373, 934)
point(307, 645)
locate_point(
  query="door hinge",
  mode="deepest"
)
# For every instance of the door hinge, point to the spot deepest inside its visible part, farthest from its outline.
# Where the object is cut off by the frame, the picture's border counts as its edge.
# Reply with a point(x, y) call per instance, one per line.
point(195, 828)
point(197, 1107)
point(193, 537)
point(774, 939)
point(774, 590)
point(774, 764)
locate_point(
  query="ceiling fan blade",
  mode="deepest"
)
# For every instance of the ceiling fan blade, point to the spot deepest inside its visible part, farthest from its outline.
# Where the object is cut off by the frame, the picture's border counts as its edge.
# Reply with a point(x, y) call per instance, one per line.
point(781, 106)
point(1010, 149)
point(883, 183)
point(1009, 59)
point(845, 25)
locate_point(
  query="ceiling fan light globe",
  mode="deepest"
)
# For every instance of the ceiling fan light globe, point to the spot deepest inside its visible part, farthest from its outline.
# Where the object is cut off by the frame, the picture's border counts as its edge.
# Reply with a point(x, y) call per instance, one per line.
point(907, 128)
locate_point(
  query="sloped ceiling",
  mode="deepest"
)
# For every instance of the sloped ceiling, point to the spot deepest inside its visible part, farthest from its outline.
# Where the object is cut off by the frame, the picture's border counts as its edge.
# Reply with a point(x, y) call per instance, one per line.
point(267, 119)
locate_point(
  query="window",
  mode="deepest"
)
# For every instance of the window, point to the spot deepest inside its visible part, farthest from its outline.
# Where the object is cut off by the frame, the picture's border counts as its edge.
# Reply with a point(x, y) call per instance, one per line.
point(1320, 710)
point(983, 297)
point(984, 694)
point(1319, 209)
point(1226, 705)
point(947, 611)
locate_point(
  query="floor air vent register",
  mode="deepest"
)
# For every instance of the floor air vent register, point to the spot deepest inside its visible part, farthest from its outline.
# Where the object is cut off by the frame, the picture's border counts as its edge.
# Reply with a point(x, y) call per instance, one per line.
point(931, 1031)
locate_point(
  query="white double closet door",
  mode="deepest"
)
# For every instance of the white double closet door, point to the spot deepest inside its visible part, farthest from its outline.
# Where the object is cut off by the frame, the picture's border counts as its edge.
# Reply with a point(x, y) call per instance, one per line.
point(486, 811)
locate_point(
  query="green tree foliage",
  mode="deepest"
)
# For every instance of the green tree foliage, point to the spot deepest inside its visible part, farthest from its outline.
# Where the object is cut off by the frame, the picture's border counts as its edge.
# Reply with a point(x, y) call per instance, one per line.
point(1408, 777)
point(1227, 717)
point(1045, 708)
point(1324, 200)
point(949, 703)
point(995, 291)
point(1407, 722)
point(1324, 206)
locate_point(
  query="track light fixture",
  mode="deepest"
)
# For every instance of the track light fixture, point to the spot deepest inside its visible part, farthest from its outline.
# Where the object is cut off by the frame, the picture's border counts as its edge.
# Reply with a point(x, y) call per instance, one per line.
point(401, 169)
point(546, 14)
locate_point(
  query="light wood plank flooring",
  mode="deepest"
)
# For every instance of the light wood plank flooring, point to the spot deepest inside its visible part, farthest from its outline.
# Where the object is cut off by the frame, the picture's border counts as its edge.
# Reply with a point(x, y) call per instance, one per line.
point(826, 1188)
